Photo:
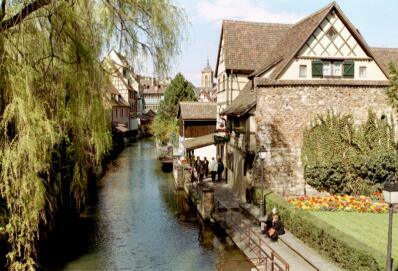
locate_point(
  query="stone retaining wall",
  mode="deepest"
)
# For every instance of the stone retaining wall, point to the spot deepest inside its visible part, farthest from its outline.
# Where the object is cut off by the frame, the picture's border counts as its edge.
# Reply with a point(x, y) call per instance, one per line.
point(284, 112)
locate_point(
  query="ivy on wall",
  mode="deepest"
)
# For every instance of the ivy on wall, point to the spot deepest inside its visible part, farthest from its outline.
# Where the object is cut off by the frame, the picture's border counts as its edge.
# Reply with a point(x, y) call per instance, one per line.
point(340, 157)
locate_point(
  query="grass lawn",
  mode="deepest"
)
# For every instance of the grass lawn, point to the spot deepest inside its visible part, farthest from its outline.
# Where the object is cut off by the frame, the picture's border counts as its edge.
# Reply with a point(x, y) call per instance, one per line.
point(369, 228)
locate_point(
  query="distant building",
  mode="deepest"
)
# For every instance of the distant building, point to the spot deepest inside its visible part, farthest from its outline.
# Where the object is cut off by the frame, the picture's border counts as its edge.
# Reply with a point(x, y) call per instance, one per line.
point(207, 92)
point(197, 128)
point(153, 90)
point(120, 114)
point(126, 82)
point(146, 120)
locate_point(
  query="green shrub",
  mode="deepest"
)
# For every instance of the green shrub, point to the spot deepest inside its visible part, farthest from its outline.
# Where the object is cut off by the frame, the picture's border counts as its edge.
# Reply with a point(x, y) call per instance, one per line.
point(347, 252)
point(342, 158)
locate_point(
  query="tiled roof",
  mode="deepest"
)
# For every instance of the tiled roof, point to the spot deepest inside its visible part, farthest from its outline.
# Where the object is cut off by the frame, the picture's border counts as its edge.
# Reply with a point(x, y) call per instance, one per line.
point(111, 89)
point(245, 101)
point(154, 90)
point(292, 42)
point(152, 85)
point(288, 47)
point(258, 47)
point(385, 56)
point(120, 102)
point(198, 111)
point(248, 45)
point(199, 142)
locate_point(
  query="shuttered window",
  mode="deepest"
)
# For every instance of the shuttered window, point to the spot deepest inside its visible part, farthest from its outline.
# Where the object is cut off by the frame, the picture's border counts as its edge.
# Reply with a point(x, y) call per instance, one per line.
point(317, 68)
point(348, 69)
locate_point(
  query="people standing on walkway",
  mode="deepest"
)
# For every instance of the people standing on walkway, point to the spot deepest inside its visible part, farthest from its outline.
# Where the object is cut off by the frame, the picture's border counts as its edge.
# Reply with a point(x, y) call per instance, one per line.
point(201, 170)
point(206, 167)
point(196, 166)
point(220, 169)
point(213, 169)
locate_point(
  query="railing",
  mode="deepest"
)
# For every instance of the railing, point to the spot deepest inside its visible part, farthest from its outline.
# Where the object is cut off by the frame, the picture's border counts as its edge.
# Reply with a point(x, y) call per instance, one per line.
point(265, 260)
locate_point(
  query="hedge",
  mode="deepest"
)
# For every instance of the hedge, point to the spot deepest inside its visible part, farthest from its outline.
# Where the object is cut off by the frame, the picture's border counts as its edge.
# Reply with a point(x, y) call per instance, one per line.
point(347, 252)
point(343, 158)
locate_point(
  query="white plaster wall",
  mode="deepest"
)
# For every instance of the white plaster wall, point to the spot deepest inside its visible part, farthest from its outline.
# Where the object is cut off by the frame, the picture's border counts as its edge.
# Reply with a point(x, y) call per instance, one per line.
point(133, 124)
point(208, 151)
point(372, 69)
point(267, 73)
point(252, 124)
point(119, 85)
point(343, 45)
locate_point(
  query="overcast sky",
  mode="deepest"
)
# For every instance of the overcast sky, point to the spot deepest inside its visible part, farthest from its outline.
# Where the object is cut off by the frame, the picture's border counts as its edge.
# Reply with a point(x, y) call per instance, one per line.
point(375, 19)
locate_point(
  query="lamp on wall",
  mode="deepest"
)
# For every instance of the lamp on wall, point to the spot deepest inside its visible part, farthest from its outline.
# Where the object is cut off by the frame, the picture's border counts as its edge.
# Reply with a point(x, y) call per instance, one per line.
point(390, 193)
point(262, 154)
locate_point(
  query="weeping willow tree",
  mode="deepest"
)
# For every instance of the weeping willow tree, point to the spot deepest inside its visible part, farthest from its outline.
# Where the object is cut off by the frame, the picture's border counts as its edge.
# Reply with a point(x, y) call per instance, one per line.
point(54, 126)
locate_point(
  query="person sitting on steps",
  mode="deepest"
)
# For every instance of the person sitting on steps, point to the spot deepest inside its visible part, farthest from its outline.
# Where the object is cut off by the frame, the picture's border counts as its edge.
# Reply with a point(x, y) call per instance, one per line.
point(274, 226)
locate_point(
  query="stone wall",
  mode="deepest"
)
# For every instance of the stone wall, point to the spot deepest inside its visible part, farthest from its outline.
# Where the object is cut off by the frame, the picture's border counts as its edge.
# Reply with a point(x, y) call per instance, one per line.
point(236, 171)
point(284, 112)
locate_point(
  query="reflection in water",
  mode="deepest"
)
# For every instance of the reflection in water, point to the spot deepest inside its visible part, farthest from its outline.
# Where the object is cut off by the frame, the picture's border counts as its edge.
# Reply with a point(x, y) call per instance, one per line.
point(141, 223)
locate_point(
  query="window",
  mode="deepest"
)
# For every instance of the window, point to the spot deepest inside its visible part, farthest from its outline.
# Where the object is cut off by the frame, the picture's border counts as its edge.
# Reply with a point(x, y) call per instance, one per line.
point(303, 71)
point(332, 33)
point(336, 68)
point(362, 72)
point(331, 68)
point(327, 69)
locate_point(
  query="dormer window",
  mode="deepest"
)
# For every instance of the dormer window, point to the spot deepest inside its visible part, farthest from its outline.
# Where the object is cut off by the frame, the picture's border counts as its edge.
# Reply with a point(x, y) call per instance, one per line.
point(331, 33)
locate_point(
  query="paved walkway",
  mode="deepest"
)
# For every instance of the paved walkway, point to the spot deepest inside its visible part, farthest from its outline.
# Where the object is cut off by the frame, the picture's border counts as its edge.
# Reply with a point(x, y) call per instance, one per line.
point(243, 228)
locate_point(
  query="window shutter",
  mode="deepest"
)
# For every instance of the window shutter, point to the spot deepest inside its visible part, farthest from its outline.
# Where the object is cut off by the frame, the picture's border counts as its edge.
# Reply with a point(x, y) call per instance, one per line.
point(317, 68)
point(348, 69)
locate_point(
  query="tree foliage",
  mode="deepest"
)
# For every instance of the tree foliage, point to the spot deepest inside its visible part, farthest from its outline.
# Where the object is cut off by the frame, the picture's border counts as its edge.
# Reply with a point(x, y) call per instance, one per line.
point(340, 157)
point(164, 128)
point(54, 126)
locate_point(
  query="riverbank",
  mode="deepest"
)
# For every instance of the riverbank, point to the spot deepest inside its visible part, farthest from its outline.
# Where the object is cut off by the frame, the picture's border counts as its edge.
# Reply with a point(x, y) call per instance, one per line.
point(65, 211)
point(139, 222)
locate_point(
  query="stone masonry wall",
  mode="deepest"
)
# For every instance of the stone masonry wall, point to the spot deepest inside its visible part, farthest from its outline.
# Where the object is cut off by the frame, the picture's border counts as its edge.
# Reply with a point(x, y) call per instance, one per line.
point(284, 112)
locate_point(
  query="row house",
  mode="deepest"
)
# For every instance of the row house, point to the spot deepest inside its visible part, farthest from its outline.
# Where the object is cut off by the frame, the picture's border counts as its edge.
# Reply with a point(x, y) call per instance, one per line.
point(153, 90)
point(292, 73)
point(120, 115)
point(127, 84)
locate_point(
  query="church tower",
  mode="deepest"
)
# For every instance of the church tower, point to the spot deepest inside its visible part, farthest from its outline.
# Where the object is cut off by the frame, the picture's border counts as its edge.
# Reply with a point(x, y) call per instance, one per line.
point(207, 76)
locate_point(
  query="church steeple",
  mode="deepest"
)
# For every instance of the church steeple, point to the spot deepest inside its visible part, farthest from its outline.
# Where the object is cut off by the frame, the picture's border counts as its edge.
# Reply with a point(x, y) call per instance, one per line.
point(207, 76)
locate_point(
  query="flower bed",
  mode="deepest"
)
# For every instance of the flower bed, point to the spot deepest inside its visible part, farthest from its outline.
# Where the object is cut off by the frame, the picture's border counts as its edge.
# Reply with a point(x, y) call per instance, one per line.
point(346, 203)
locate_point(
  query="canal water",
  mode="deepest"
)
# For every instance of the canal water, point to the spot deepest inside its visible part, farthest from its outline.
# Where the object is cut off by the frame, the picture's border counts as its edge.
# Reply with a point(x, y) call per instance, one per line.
point(139, 222)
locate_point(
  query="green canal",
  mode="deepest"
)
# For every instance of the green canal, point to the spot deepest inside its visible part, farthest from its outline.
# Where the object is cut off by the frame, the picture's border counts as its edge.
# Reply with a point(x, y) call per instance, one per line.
point(139, 222)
